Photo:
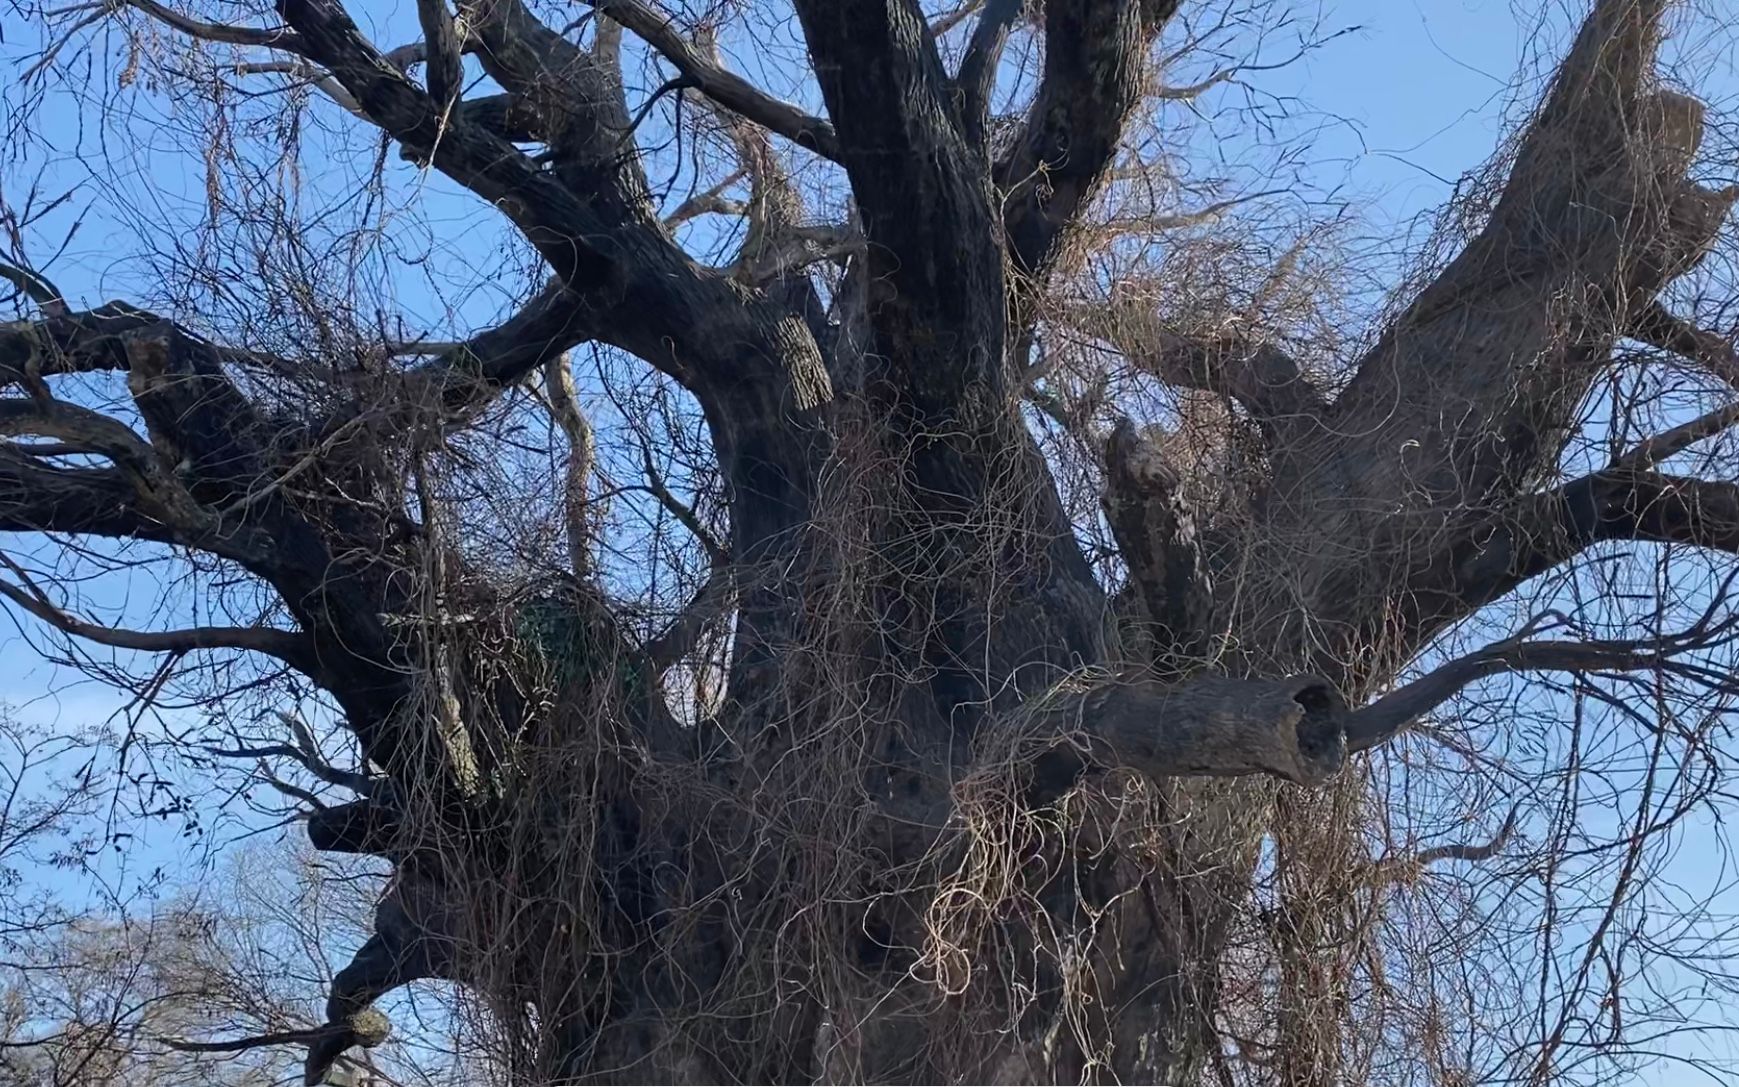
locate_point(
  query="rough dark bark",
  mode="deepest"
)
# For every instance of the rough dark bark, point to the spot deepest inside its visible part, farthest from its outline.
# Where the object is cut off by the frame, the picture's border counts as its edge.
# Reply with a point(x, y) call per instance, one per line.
point(983, 632)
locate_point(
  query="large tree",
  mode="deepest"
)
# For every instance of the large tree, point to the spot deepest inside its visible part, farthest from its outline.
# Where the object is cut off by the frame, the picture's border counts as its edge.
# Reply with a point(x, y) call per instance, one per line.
point(1008, 729)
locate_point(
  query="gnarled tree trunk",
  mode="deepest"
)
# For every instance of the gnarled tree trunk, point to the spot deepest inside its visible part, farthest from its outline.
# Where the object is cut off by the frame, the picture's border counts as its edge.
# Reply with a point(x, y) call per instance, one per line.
point(959, 814)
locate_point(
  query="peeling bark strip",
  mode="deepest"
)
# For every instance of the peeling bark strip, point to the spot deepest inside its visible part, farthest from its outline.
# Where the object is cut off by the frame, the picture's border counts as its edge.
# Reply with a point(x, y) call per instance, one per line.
point(740, 889)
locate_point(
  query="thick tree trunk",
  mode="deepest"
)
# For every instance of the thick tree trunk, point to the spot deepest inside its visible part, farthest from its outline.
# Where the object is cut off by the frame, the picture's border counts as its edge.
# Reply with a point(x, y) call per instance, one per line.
point(952, 822)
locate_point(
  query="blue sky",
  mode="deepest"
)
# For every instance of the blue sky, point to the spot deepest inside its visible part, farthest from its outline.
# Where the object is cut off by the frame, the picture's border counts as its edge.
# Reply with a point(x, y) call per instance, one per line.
point(1399, 110)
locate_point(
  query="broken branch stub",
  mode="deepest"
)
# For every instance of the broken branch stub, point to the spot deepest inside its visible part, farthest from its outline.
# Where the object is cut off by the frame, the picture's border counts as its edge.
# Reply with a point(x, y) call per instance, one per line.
point(1292, 728)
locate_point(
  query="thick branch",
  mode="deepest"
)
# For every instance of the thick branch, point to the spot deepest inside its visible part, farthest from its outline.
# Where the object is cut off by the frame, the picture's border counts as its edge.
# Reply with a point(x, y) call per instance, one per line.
point(505, 115)
point(1095, 67)
point(368, 826)
point(1660, 327)
point(286, 40)
point(1259, 376)
point(584, 251)
point(630, 286)
point(1215, 727)
point(678, 639)
point(1395, 712)
point(66, 343)
point(1546, 530)
point(201, 422)
point(90, 341)
point(442, 45)
point(73, 501)
point(465, 377)
point(921, 194)
point(937, 306)
point(1299, 729)
point(977, 77)
point(34, 287)
point(411, 941)
point(1472, 393)
point(81, 430)
point(1156, 535)
point(285, 645)
point(718, 83)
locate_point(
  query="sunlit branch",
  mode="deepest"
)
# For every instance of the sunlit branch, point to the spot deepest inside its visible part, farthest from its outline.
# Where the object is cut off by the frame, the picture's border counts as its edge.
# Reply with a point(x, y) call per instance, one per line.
point(564, 408)
point(711, 201)
point(302, 70)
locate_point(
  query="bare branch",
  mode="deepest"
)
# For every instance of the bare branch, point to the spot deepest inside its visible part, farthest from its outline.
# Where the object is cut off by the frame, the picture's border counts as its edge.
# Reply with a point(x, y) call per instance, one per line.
point(1395, 712)
point(368, 1028)
point(1471, 853)
point(1540, 532)
point(682, 511)
point(1095, 60)
point(1230, 73)
point(302, 1036)
point(977, 77)
point(1651, 451)
point(564, 407)
point(573, 237)
point(285, 645)
point(1660, 327)
point(711, 201)
point(36, 288)
point(70, 342)
point(304, 753)
point(87, 431)
point(287, 40)
point(603, 248)
point(1212, 213)
point(289, 789)
point(942, 24)
point(1192, 91)
point(410, 942)
point(1299, 729)
point(1261, 377)
point(720, 84)
point(1212, 727)
point(301, 69)
point(797, 248)
point(442, 51)
point(74, 501)
point(678, 639)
